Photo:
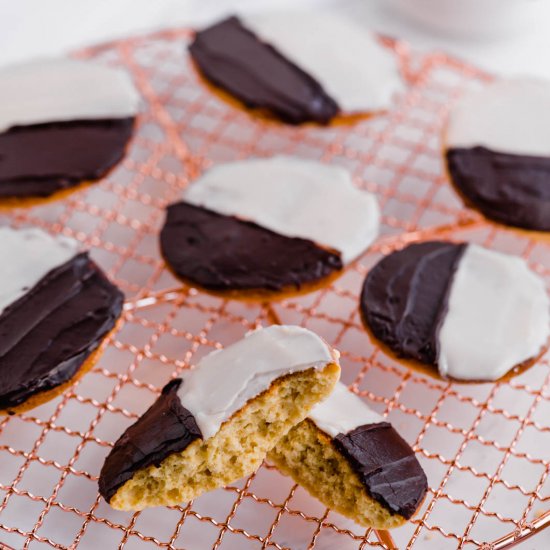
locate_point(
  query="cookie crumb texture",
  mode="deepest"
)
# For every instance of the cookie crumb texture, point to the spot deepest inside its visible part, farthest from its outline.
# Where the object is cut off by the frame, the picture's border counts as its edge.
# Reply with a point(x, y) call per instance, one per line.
point(309, 456)
point(238, 448)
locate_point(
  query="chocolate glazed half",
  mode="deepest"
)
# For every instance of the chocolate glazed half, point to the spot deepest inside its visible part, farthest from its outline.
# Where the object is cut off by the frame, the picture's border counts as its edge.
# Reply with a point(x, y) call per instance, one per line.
point(50, 331)
point(165, 428)
point(40, 159)
point(222, 253)
point(405, 297)
point(507, 188)
point(235, 59)
point(386, 465)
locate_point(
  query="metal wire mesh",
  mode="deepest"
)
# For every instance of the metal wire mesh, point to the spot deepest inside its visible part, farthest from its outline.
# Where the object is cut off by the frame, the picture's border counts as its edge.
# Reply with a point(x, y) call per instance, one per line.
point(485, 447)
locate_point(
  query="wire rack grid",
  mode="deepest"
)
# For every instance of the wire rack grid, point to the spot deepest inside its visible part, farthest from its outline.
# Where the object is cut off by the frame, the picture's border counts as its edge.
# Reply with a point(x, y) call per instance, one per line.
point(485, 447)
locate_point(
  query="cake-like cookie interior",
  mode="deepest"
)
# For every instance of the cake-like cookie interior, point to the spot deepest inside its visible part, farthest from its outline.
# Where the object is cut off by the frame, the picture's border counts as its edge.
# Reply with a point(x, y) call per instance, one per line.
point(354, 462)
point(237, 450)
point(217, 425)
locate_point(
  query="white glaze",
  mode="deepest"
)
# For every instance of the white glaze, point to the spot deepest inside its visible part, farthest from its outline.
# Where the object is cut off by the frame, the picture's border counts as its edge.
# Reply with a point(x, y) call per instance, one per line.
point(60, 90)
point(348, 61)
point(508, 116)
point(223, 381)
point(295, 198)
point(342, 411)
point(27, 256)
point(498, 316)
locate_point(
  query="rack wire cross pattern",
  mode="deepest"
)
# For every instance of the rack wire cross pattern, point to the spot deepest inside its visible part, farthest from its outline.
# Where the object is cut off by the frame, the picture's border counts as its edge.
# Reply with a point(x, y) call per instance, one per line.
point(485, 447)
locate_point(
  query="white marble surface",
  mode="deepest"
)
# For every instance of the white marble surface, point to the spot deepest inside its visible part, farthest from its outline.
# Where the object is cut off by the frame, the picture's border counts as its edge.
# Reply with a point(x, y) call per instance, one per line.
point(30, 28)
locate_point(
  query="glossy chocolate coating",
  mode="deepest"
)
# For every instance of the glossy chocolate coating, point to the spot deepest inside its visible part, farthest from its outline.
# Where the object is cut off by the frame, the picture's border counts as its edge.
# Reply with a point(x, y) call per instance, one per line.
point(40, 159)
point(510, 189)
point(46, 335)
point(222, 253)
point(236, 60)
point(386, 465)
point(165, 428)
point(405, 296)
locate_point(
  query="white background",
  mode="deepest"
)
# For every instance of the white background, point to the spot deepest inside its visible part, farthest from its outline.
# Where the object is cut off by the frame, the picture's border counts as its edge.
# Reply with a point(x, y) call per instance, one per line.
point(31, 28)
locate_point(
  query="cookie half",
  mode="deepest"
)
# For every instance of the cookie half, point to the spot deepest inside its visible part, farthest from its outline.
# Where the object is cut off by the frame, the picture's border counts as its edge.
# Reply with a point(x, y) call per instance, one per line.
point(63, 122)
point(473, 313)
point(298, 66)
point(217, 424)
point(354, 462)
point(266, 228)
point(498, 152)
point(56, 307)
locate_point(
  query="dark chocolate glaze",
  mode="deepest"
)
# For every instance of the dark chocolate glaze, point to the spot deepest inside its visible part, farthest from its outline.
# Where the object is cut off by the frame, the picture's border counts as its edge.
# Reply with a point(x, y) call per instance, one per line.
point(165, 428)
point(48, 333)
point(222, 253)
point(40, 159)
point(386, 465)
point(510, 189)
point(235, 59)
point(404, 297)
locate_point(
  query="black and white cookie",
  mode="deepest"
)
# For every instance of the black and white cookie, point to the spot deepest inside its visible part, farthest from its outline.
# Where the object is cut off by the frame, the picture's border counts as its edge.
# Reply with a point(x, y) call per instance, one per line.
point(265, 227)
point(299, 67)
point(473, 313)
point(62, 122)
point(498, 152)
point(354, 462)
point(217, 424)
point(56, 307)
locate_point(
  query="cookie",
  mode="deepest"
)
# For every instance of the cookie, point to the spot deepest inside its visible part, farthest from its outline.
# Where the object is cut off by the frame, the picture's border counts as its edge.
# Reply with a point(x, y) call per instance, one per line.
point(268, 228)
point(298, 67)
point(63, 123)
point(471, 313)
point(56, 307)
point(354, 462)
point(497, 148)
point(217, 424)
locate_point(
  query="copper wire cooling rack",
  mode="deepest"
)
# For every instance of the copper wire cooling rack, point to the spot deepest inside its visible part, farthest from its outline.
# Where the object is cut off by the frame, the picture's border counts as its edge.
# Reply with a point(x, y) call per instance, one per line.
point(485, 447)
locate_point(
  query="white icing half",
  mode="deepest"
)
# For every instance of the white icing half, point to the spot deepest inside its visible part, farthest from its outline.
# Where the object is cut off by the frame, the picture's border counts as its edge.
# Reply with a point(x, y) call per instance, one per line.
point(498, 316)
point(351, 65)
point(507, 116)
point(27, 256)
point(223, 381)
point(295, 198)
point(342, 411)
point(60, 90)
